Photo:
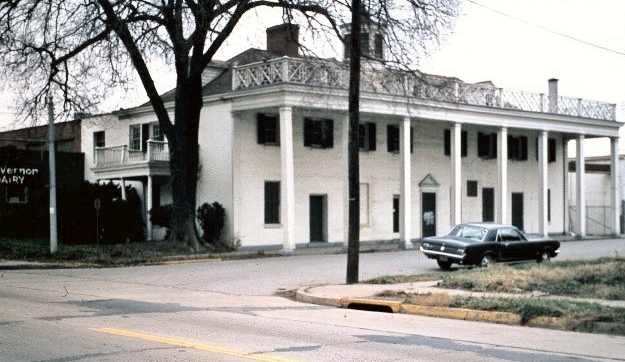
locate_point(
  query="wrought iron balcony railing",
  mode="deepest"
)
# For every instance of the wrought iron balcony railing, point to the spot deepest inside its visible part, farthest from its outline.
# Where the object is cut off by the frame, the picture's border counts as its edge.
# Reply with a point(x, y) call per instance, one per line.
point(412, 84)
point(121, 155)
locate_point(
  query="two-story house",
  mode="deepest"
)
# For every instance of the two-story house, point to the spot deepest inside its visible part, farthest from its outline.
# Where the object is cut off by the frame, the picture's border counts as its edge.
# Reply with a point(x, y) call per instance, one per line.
point(434, 150)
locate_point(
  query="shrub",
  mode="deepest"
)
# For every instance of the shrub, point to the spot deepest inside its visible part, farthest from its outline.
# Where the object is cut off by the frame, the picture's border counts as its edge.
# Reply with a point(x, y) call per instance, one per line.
point(161, 215)
point(212, 218)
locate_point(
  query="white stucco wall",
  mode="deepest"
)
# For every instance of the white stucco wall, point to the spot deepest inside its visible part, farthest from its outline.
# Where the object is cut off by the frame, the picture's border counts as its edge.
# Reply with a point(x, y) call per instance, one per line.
point(321, 172)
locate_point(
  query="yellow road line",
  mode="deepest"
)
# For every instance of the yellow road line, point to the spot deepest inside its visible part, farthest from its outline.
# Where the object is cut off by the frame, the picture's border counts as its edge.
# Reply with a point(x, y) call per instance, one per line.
point(191, 344)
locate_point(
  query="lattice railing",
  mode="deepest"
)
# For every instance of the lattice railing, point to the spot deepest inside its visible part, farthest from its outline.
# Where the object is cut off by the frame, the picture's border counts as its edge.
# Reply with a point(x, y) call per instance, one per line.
point(121, 155)
point(323, 73)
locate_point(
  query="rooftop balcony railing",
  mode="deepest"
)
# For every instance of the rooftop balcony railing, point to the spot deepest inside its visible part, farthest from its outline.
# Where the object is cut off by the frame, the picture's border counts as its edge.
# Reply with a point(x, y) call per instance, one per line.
point(323, 73)
point(121, 155)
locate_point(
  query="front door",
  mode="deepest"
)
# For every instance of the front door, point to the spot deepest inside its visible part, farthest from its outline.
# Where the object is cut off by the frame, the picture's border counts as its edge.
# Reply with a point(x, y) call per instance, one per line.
point(317, 218)
point(488, 204)
point(428, 214)
point(517, 210)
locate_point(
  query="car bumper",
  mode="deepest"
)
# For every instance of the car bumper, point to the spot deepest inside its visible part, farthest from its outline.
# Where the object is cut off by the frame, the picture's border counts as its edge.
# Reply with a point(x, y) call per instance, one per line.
point(432, 254)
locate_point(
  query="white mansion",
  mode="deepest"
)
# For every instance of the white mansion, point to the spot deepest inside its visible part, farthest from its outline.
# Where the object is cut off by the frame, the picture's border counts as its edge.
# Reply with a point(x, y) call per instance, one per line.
point(435, 151)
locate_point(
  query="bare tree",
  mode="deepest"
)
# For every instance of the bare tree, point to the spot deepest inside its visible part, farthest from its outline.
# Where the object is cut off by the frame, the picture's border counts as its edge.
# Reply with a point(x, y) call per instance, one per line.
point(78, 50)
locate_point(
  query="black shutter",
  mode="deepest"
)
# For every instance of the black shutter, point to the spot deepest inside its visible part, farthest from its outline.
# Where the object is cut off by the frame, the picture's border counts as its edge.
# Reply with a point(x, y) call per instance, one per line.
point(551, 145)
point(411, 139)
point(327, 133)
point(372, 137)
point(145, 134)
point(464, 144)
point(447, 142)
point(390, 137)
point(260, 129)
point(308, 130)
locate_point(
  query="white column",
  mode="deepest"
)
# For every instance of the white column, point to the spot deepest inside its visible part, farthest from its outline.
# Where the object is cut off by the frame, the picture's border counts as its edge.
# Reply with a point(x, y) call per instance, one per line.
point(580, 167)
point(456, 183)
point(567, 189)
point(614, 186)
point(287, 180)
point(543, 185)
point(123, 187)
point(405, 203)
point(502, 176)
point(345, 149)
point(148, 205)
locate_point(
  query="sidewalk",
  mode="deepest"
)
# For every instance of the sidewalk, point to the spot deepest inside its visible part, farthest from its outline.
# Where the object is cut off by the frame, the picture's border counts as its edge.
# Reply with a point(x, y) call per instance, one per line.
point(364, 297)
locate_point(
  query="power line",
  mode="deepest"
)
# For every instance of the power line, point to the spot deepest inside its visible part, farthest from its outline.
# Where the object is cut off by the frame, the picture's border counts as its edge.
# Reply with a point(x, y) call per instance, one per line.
point(549, 30)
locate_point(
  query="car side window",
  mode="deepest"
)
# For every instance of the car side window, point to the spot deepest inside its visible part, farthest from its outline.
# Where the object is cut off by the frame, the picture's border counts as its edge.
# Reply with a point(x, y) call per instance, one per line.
point(508, 235)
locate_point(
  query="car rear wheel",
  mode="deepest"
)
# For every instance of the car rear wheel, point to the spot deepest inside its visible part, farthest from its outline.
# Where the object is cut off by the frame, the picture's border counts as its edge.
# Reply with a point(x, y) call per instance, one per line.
point(487, 261)
point(444, 264)
point(544, 256)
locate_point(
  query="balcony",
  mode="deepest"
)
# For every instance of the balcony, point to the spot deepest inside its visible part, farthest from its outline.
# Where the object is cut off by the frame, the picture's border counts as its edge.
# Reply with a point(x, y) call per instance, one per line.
point(119, 161)
point(324, 73)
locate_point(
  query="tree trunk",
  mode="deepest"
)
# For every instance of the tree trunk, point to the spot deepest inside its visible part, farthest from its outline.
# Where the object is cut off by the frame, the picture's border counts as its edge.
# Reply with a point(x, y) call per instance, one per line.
point(184, 160)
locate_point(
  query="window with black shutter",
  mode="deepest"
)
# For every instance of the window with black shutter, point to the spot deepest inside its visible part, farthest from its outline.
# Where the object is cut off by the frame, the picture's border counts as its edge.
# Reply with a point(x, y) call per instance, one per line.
point(366, 136)
point(318, 132)
point(392, 138)
point(487, 145)
point(463, 143)
point(517, 148)
point(267, 129)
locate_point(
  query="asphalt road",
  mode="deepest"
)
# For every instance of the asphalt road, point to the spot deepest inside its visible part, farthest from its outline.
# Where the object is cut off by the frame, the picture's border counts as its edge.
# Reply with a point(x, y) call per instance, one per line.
point(227, 311)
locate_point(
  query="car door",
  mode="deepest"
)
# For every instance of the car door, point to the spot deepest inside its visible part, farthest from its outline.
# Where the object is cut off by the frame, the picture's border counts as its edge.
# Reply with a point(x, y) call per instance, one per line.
point(513, 245)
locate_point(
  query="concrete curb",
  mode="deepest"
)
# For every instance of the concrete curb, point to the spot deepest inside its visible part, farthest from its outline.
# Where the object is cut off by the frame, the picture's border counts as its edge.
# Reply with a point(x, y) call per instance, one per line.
point(380, 305)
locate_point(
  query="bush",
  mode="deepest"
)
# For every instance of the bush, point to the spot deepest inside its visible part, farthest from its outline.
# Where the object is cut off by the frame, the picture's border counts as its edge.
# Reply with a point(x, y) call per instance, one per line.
point(212, 218)
point(161, 215)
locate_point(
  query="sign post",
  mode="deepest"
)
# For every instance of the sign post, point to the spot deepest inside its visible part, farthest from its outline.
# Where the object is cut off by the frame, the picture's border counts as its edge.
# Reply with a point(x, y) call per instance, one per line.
point(52, 165)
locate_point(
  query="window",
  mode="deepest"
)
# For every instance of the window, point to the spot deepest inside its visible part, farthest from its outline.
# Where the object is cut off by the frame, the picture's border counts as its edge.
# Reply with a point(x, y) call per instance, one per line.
point(99, 139)
point(379, 46)
point(134, 143)
point(551, 147)
point(463, 143)
point(272, 202)
point(551, 150)
point(517, 148)
point(366, 136)
point(16, 195)
point(155, 132)
point(392, 138)
point(318, 132)
point(268, 132)
point(487, 145)
point(472, 188)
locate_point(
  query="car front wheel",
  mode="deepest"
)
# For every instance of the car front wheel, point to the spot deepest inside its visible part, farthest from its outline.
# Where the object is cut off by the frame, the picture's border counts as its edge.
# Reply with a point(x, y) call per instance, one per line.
point(487, 261)
point(544, 256)
point(444, 264)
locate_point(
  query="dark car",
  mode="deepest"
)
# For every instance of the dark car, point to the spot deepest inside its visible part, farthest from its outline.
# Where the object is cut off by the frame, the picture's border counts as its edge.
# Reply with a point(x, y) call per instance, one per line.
point(482, 244)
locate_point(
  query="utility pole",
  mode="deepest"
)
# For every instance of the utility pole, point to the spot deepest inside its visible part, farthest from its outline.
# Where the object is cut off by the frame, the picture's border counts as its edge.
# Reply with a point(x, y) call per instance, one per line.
point(353, 242)
point(52, 173)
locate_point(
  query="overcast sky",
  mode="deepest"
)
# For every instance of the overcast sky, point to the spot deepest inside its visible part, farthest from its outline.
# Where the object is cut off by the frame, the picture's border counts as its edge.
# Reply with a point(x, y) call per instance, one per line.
point(516, 44)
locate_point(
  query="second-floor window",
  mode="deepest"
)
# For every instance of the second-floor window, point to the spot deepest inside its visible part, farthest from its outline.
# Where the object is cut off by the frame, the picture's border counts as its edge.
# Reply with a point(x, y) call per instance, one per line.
point(134, 143)
point(517, 148)
point(268, 131)
point(487, 145)
point(366, 136)
point(463, 143)
point(318, 132)
point(392, 138)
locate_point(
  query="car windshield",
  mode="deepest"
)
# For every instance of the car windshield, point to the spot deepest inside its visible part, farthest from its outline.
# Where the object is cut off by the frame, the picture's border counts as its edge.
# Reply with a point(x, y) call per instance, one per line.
point(469, 232)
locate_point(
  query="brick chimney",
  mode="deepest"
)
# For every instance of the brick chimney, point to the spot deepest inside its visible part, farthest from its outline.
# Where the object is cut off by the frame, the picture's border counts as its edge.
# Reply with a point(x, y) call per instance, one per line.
point(283, 39)
point(553, 95)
